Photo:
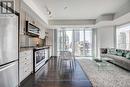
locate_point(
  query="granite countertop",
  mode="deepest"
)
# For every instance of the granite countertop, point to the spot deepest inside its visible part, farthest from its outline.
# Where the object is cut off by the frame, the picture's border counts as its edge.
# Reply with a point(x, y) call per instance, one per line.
point(44, 47)
point(32, 48)
point(25, 49)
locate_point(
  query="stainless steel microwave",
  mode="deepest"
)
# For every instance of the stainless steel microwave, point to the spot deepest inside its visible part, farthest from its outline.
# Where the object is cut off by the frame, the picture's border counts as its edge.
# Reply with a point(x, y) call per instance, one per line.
point(32, 30)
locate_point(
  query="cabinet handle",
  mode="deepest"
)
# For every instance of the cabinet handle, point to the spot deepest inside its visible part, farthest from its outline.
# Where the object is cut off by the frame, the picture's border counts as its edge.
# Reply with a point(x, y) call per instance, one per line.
point(7, 66)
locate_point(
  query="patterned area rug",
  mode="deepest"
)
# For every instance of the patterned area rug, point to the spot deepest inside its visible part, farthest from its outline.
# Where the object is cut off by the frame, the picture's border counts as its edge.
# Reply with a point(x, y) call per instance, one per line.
point(105, 77)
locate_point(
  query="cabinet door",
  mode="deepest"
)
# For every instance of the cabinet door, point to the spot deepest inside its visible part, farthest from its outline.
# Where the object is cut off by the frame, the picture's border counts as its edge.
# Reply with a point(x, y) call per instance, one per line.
point(25, 64)
point(30, 59)
point(22, 21)
point(21, 68)
point(50, 51)
point(42, 33)
point(17, 5)
point(21, 74)
point(46, 54)
point(27, 71)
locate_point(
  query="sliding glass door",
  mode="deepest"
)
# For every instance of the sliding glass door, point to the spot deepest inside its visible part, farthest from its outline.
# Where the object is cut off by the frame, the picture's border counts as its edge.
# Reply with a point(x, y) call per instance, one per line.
point(88, 43)
point(78, 41)
point(68, 41)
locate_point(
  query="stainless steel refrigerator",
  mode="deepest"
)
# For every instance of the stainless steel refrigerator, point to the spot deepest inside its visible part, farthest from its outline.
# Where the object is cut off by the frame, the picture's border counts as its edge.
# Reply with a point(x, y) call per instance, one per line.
point(9, 51)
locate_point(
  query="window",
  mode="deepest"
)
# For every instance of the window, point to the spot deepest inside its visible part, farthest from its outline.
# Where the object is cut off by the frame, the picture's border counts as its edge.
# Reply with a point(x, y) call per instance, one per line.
point(123, 36)
point(76, 40)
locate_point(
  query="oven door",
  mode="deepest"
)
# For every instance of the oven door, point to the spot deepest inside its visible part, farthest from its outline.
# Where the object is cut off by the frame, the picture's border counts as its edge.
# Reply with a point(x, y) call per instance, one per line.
point(39, 59)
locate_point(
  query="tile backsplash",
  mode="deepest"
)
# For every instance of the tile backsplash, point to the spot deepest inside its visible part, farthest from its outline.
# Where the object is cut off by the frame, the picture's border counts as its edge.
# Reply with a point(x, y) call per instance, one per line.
point(26, 41)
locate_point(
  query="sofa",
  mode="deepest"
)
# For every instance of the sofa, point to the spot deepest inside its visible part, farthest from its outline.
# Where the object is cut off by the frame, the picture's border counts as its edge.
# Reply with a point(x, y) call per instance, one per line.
point(120, 57)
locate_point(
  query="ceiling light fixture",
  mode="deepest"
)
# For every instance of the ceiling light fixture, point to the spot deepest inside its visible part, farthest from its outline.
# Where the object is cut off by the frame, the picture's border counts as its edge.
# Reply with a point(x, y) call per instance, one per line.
point(48, 11)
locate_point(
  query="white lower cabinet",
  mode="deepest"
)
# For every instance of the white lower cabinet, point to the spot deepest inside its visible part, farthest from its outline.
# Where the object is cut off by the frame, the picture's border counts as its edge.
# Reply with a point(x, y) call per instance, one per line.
point(46, 54)
point(25, 64)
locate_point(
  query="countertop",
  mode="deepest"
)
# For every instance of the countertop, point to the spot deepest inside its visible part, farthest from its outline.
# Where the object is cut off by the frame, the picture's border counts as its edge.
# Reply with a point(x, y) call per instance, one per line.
point(25, 49)
point(32, 48)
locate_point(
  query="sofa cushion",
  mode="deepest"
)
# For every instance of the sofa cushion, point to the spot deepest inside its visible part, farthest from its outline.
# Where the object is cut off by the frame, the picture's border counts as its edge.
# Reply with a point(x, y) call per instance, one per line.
point(114, 56)
point(124, 53)
point(108, 51)
point(121, 61)
point(128, 55)
point(119, 52)
point(111, 51)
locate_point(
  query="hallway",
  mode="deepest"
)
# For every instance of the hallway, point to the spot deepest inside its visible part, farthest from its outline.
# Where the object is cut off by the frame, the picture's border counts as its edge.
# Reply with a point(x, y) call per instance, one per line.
point(49, 76)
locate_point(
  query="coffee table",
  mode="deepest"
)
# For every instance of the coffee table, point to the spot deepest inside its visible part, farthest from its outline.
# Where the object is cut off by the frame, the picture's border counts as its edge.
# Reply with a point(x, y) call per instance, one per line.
point(103, 63)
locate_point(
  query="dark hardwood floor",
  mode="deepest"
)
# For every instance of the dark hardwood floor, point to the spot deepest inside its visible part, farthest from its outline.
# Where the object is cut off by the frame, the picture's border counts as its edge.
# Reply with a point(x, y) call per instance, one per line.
point(50, 76)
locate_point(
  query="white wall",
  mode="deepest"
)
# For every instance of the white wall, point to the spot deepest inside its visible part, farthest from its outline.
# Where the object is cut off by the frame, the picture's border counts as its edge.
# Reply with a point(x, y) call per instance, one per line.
point(49, 39)
point(105, 38)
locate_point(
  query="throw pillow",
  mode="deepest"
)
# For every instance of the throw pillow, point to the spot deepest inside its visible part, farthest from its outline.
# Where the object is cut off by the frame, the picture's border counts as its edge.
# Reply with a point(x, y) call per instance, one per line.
point(128, 55)
point(113, 51)
point(119, 52)
point(124, 53)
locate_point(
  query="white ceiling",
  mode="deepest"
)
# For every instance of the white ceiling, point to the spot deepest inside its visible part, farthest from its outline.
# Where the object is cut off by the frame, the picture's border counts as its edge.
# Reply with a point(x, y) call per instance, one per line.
point(79, 9)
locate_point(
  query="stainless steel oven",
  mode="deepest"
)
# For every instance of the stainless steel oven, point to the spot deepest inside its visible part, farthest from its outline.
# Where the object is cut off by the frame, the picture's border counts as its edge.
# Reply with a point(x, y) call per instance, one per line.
point(39, 59)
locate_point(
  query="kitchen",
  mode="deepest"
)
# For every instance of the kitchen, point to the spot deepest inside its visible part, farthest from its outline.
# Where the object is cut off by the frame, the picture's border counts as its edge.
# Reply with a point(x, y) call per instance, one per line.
point(24, 48)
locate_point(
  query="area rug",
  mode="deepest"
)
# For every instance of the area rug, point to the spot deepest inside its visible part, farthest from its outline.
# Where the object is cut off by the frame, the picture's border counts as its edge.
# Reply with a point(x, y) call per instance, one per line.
point(114, 77)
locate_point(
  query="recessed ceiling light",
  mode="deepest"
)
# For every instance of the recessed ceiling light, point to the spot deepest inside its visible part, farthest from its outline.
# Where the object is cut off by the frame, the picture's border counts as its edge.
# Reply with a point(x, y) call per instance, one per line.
point(65, 7)
point(49, 12)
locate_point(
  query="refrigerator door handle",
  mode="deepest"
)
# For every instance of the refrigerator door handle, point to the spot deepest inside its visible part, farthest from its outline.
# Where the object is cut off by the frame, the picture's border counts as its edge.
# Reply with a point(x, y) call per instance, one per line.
point(6, 66)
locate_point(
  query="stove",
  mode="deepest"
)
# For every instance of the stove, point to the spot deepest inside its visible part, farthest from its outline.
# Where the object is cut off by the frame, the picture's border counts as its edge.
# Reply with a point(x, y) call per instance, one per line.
point(39, 59)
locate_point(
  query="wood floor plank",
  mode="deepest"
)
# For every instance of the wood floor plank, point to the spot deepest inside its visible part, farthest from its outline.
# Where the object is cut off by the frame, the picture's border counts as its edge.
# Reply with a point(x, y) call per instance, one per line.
point(50, 76)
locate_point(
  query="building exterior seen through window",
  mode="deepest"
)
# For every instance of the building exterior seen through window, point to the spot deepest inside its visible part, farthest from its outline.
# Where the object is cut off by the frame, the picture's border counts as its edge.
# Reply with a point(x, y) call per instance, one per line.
point(123, 36)
point(76, 40)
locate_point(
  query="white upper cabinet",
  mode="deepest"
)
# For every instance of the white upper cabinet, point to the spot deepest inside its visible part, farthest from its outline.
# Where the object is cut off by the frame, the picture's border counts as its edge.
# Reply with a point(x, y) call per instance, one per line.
point(17, 5)
point(42, 34)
